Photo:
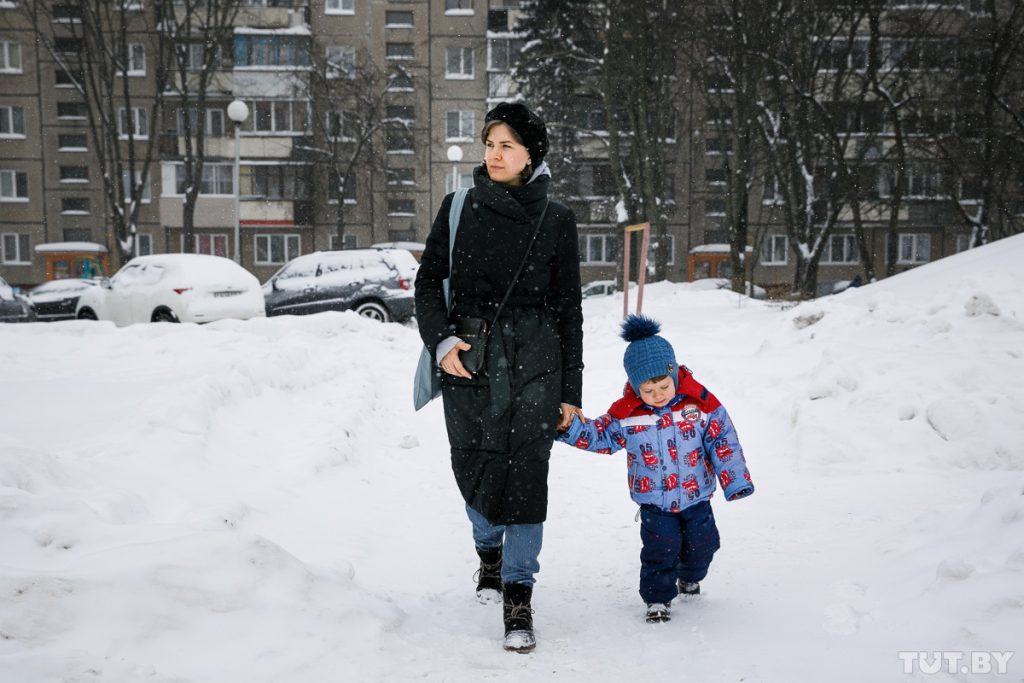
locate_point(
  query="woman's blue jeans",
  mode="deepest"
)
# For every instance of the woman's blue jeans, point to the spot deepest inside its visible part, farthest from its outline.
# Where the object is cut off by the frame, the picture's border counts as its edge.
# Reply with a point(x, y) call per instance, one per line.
point(521, 546)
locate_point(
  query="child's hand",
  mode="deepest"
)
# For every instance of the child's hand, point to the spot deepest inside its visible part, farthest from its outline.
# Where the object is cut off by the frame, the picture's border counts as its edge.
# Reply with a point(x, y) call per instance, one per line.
point(568, 411)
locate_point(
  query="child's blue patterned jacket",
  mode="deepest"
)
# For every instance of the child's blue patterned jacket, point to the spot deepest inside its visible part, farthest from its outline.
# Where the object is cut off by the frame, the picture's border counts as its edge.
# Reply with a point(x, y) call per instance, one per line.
point(674, 453)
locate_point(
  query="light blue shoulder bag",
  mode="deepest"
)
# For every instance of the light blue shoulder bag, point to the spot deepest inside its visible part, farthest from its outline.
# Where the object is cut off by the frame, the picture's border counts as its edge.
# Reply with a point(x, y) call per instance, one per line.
point(427, 384)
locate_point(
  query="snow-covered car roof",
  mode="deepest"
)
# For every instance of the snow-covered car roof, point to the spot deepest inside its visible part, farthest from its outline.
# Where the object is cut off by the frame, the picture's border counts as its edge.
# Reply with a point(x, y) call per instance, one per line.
point(55, 290)
point(195, 267)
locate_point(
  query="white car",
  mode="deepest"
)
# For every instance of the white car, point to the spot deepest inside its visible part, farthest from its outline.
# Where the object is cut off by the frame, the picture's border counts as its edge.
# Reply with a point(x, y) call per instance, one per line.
point(174, 288)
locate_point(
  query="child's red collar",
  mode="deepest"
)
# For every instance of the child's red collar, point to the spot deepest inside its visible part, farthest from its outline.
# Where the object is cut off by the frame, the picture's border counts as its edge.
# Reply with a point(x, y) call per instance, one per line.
point(630, 404)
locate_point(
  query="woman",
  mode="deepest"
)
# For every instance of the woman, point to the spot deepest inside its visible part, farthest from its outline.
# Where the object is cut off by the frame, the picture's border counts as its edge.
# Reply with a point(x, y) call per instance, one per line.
point(502, 420)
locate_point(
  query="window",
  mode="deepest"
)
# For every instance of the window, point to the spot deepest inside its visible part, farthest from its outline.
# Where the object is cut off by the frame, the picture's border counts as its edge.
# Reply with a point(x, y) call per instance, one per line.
point(595, 249)
point(459, 126)
point(772, 191)
point(197, 55)
point(213, 122)
point(216, 179)
point(458, 6)
point(77, 235)
point(66, 14)
point(502, 53)
point(398, 50)
point(401, 176)
point(132, 59)
point(278, 116)
point(145, 245)
point(10, 57)
point(923, 180)
point(74, 206)
point(774, 251)
point(715, 144)
point(126, 184)
point(132, 122)
point(214, 245)
point(840, 249)
point(341, 125)
point(595, 180)
point(714, 207)
point(72, 142)
point(914, 248)
point(652, 250)
point(341, 61)
point(458, 62)
point(963, 243)
point(12, 122)
point(71, 110)
point(718, 115)
point(269, 49)
point(67, 46)
point(13, 186)
point(401, 207)
point(67, 78)
point(452, 183)
point(841, 55)
point(397, 19)
point(714, 176)
point(402, 112)
point(340, 7)
point(74, 174)
point(348, 242)
point(400, 82)
point(398, 140)
point(275, 182)
point(271, 249)
point(350, 189)
point(16, 248)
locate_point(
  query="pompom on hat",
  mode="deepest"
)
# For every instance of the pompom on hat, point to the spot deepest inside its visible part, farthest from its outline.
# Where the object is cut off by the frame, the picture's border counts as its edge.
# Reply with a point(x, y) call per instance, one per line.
point(648, 354)
point(528, 126)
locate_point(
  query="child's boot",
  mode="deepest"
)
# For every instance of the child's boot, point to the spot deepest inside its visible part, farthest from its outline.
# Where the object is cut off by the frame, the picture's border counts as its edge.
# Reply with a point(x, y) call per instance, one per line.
point(488, 577)
point(518, 615)
point(658, 612)
point(689, 587)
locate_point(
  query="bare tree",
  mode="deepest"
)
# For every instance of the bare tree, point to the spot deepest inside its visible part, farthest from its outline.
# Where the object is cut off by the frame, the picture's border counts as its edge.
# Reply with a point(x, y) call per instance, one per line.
point(199, 32)
point(97, 46)
point(350, 119)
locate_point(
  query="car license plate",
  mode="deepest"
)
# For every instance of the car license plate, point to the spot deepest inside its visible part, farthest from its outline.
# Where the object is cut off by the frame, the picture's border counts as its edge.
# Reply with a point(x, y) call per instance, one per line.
point(220, 295)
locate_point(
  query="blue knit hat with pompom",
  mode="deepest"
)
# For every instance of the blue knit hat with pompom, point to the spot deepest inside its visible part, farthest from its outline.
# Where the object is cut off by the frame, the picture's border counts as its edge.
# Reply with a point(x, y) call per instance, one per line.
point(648, 355)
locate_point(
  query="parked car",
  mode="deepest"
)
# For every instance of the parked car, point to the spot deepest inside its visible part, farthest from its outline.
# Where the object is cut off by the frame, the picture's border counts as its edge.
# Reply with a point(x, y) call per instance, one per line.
point(174, 288)
point(599, 288)
point(58, 299)
point(14, 308)
point(376, 283)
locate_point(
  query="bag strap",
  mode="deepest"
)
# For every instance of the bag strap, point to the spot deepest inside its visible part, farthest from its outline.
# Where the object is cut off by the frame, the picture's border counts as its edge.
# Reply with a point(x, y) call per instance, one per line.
point(454, 214)
point(519, 270)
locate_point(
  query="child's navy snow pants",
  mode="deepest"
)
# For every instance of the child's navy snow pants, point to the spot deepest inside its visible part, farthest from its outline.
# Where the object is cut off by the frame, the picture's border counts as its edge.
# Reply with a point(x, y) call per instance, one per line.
point(677, 545)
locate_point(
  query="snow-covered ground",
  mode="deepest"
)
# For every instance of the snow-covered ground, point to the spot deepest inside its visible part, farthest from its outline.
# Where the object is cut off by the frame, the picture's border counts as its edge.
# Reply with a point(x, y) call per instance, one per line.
point(257, 501)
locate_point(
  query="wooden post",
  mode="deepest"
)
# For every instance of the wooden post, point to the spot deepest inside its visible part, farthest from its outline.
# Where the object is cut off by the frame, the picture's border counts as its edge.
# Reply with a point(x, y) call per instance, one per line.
point(642, 276)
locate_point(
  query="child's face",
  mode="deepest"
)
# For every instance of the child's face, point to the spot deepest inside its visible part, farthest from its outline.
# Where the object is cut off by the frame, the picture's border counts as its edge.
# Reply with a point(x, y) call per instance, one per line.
point(658, 392)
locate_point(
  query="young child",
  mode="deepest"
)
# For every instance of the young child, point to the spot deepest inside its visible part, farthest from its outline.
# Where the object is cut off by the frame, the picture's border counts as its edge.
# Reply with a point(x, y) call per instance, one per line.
point(678, 439)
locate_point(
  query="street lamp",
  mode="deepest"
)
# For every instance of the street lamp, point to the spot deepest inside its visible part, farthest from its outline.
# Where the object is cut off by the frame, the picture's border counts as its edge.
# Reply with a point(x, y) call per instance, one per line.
point(455, 156)
point(238, 111)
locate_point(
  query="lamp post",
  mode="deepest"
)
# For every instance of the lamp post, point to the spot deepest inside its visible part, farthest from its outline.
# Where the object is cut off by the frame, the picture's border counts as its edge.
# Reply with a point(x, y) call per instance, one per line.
point(238, 111)
point(455, 156)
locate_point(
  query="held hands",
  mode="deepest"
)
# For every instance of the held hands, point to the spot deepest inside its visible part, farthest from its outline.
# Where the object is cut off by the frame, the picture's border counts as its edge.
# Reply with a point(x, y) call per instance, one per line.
point(568, 411)
point(451, 363)
point(453, 366)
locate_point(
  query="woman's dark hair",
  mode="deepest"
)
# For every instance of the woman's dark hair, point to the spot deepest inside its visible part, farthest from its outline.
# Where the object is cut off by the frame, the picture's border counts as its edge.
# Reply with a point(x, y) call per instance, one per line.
point(527, 172)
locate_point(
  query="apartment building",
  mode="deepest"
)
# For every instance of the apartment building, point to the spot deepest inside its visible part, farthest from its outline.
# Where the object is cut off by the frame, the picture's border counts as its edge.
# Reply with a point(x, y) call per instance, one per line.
point(449, 62)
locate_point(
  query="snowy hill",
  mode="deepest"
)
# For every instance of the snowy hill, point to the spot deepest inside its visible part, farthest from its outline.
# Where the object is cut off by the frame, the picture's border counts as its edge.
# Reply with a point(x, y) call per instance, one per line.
point(257, 501)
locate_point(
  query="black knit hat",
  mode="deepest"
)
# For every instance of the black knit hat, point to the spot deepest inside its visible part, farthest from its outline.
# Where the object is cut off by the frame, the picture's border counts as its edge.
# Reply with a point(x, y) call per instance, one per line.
point(528, 126)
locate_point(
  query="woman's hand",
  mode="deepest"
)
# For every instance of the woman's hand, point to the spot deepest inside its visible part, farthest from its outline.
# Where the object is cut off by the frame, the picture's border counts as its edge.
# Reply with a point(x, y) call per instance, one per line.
point(451, 363)
point(567, 414)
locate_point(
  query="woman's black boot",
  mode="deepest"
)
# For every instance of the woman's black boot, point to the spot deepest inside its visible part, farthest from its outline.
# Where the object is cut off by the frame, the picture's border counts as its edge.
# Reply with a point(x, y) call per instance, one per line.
point(518, 614)
point(488, 584)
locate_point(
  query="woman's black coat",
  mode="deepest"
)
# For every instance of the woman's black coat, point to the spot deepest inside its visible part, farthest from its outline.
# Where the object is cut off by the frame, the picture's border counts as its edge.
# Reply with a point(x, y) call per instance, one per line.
point(502, 422)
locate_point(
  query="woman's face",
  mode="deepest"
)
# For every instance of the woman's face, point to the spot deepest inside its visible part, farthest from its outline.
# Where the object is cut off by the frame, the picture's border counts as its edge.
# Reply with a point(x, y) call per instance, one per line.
point(505, 158)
